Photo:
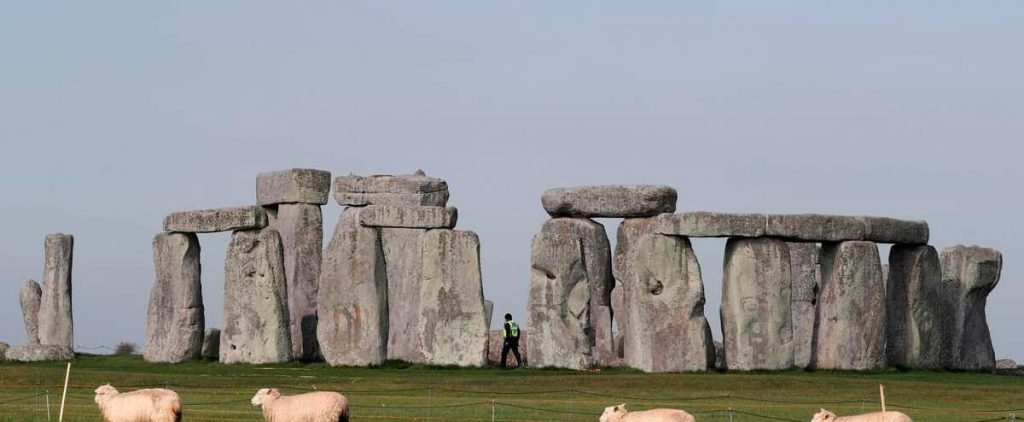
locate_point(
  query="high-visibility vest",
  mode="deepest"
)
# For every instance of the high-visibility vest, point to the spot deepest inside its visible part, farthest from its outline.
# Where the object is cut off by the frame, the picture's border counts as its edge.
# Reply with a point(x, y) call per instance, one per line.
point(513, 329)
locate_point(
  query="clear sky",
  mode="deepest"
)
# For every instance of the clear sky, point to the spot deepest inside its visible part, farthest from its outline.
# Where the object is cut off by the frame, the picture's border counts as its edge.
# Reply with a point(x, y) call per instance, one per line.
point(113, 114)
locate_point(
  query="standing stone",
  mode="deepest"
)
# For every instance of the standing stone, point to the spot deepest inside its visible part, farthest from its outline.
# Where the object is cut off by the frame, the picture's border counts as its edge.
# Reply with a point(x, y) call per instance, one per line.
point(452, 317)
point(302, 236)
point(306, 186)
point(850, 328)
point(211, 344)
point(969, 273)
point(804, 266)
point(3, 351)
point(619, 316)
point(175, 317)
point(352, 301)
point(914, 311)
point(597, 259)
point(757, 321)
point(489, 310)
point(614, 201)
point(56, 327)
point(403, 257)
point(31, 294)
point(630, 230)
point(667, 330)
point(559, 303)
point(255, 328)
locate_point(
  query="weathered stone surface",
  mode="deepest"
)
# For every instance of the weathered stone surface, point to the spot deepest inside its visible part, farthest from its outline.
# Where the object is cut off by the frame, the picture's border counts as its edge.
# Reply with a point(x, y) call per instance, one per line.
point(619, 316)
point(815, 227)
point(302, 236)
point(630, 231)
point(667, 330)
point(211, 344)
point(1006, 364)
point(56, 326)
point(255, 328)
point(914, 311)
point(216, 220)
point(850, 328)
point(719, 355)
point(892, 230)
point(306, 186)
point(559, 303)
point(496, 342)
point(615, 201)
point(452, 317)
point(39, 352)
point(969, 273)
point(711, 224)
point(403, 255)
point(409, 217)
point(175, 316)
point(352, 301)
point(3, 351)
point(31, 295)
point(757, 318)
point(489, 311)
point(597, 259)
point(805, 267)
point(414, 189)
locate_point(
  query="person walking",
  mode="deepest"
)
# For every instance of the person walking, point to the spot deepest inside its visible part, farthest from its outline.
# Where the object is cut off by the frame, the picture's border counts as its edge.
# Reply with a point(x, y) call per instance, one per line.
point(510, 332)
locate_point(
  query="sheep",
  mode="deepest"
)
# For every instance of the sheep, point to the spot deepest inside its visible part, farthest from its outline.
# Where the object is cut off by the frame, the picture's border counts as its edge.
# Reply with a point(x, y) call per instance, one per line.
point(321, 406)
point(826, 416)
point(620, 414)
point(148, 405)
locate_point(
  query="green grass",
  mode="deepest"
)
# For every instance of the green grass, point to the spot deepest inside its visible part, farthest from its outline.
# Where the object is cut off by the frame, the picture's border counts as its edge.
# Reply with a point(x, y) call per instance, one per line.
point(214, 392)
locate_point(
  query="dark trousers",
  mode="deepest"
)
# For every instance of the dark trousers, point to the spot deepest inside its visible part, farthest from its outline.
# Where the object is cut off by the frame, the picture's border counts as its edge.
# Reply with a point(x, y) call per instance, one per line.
point(511, 343)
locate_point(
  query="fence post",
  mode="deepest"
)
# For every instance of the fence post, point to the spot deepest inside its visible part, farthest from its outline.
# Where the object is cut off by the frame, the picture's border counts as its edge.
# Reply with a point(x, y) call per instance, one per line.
point(47, 405)
point(492, 409)
point(730, 413)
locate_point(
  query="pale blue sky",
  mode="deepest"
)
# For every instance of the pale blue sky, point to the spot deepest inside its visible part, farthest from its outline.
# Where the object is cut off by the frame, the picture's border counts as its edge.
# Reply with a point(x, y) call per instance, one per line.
point(113, 114)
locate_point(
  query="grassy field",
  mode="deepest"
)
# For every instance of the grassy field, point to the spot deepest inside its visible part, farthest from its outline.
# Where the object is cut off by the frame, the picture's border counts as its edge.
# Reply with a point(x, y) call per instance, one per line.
point(215, 392)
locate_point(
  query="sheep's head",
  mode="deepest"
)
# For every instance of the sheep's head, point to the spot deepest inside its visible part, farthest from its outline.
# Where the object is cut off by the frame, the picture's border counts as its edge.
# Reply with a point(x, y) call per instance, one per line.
point(263, 395)
point(823, 416)
point(104, 392)
point(614, 413)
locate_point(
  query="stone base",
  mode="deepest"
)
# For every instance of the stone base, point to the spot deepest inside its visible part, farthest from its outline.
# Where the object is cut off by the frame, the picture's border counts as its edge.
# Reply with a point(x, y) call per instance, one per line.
point(39, 353)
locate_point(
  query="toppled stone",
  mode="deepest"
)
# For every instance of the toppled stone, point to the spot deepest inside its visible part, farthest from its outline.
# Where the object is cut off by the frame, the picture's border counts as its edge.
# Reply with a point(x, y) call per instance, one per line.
point(850, 328)
point(39, 353)
point(757, 320)
point(969, 273)
point(211, 344)
point(805, 268)
point(615, 201)
point(1006, 364)
point(667, 331)
point(255, 328)
point(175, 317)
point(597, 259)
point(302, 237)
point(452, 317)
point(216, 220)
point(495, 342)
point(914, 311)
point(408, 217)
point(415, 190)
point(31, 295)
point(815, 227)
point(559, 303)
point(711, 224)
point(352, 301)
point(892, 230)
point(306, 186)
point(403, 257)
point(56, 325)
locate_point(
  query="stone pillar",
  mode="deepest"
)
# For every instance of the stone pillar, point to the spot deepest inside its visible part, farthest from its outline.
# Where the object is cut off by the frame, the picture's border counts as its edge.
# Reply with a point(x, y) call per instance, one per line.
point(667, 331)
point(175, 318)
point(56, 326)
point(630, 230)
point(597, 259)
point(969, 273)
point(914, 312)
point(850, 328)
point(255, 328)
point(31, 295)
point(757, 321)
point(559, 304)
point(211, 344)
point(805, 267)
point(452, 318)
point(352, 301)
point(403, 257)
point(619, 314)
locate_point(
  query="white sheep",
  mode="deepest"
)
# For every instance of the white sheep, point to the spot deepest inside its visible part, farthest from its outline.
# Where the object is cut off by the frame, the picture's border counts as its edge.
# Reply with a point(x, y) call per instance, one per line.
point(620, 414)
point(826, 416)
point(148, 405)
point(321, 406)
